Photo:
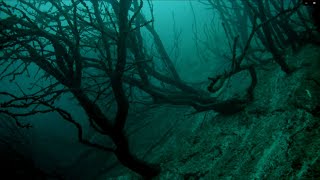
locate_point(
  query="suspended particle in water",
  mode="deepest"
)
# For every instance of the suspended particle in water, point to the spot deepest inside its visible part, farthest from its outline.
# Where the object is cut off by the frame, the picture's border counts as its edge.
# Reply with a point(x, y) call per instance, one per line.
point(310, 2)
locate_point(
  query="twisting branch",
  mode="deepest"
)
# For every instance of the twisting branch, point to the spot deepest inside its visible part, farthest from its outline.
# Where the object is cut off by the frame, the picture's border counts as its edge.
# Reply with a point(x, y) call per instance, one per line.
point(136, 13)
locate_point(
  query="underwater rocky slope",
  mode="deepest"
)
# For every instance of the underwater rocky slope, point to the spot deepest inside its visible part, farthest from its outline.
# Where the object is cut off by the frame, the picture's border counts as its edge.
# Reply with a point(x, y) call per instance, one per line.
point(276, 137)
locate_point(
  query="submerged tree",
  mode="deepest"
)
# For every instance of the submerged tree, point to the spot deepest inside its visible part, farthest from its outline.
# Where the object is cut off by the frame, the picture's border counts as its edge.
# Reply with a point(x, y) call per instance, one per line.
point(256, 29)
point(96, 51)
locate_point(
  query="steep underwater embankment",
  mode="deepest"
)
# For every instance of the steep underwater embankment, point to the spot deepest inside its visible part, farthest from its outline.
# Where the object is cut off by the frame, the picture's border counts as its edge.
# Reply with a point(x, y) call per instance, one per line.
point(276, 137)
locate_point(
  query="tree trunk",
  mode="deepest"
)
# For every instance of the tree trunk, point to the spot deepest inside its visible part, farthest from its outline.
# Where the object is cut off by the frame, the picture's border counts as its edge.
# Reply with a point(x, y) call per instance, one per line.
point(122, 150)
